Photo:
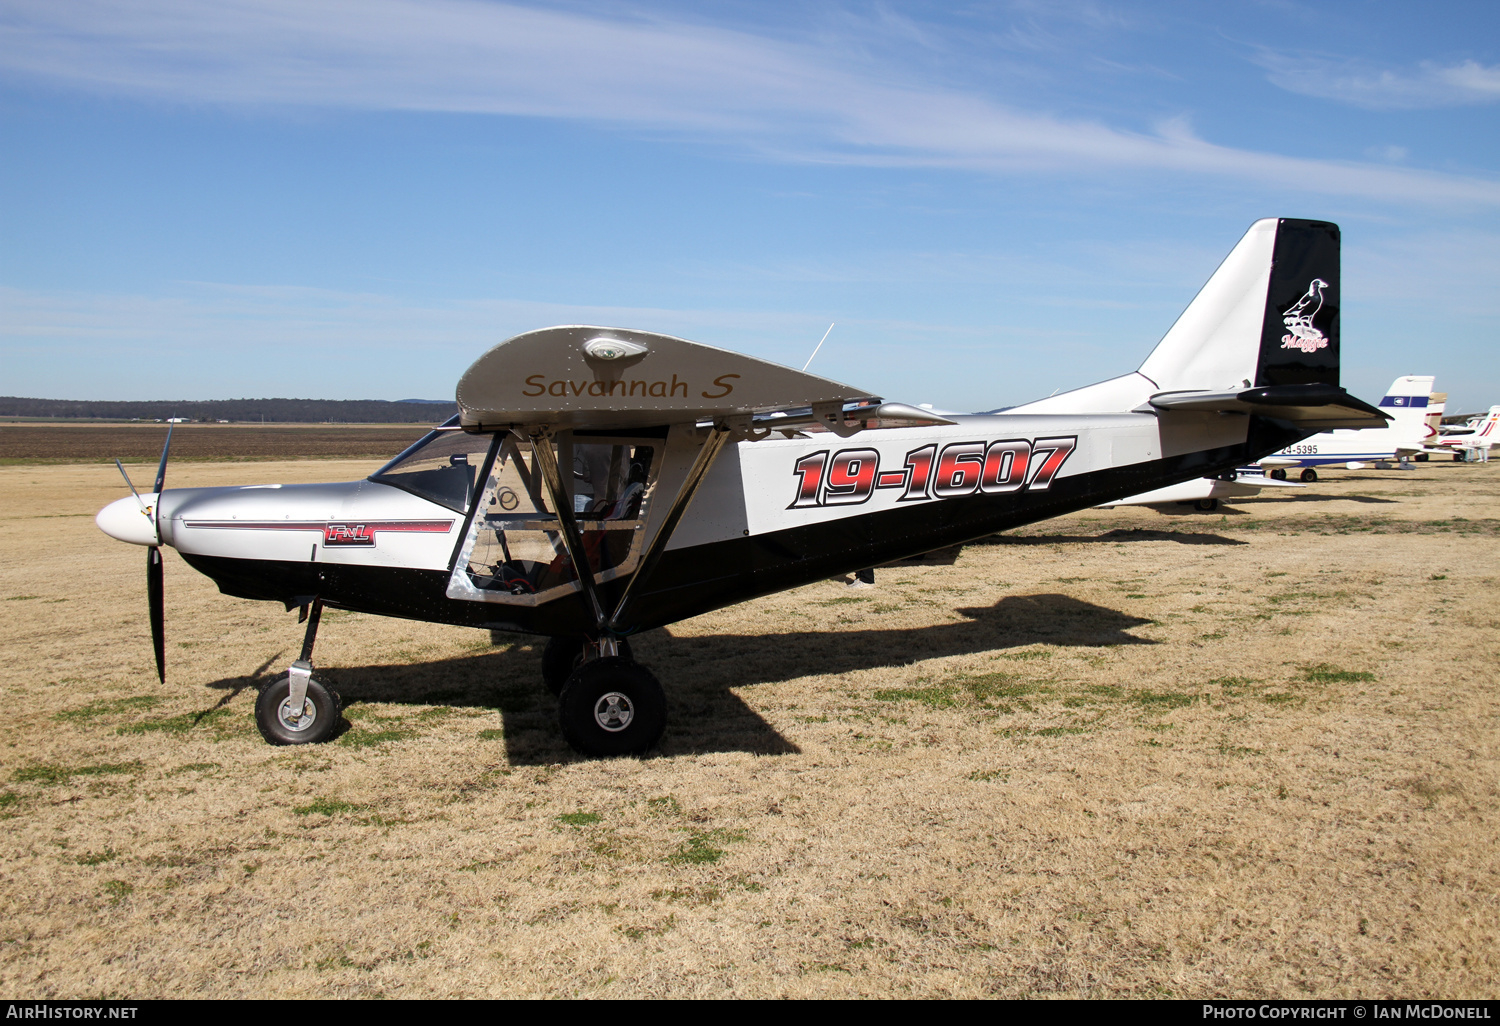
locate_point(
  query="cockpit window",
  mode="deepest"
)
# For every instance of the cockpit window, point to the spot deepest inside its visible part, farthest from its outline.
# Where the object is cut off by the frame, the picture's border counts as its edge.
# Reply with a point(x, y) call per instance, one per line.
point(442, 467)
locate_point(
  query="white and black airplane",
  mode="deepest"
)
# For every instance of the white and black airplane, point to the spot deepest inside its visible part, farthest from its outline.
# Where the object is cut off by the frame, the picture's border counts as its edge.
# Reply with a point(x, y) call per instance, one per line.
point(598, 482)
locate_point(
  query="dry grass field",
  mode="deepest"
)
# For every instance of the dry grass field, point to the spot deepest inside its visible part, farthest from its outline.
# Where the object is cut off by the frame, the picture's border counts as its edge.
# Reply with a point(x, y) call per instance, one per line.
point(1127, 753)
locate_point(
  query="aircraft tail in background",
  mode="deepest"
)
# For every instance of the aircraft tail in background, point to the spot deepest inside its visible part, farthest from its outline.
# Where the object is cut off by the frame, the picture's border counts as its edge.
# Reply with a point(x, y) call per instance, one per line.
point(1406, 403)
point(1437, 405)
point(1488, 431)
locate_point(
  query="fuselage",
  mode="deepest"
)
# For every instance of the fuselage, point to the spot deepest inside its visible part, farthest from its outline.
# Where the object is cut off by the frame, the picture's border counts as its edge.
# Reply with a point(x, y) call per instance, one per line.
point(772, 514)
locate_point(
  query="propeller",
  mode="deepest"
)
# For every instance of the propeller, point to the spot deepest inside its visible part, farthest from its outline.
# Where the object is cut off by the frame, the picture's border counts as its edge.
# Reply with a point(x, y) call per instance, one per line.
point(155, 596)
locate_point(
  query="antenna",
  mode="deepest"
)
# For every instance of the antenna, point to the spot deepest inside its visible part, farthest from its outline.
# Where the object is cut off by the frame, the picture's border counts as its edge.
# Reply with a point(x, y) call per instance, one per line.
point(817, 347)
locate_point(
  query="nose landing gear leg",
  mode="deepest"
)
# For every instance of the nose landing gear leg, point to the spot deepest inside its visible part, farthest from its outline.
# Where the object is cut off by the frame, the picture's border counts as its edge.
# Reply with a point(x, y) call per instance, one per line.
point(297, 708)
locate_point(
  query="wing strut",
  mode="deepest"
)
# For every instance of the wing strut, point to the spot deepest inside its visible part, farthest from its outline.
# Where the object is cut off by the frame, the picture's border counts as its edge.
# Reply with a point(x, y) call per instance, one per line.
point(541, 447)
point(717, 436)
point(610, 625)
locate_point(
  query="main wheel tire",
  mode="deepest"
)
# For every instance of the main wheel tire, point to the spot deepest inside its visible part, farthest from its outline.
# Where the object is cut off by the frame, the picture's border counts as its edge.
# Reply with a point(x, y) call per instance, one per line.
point(1420, 457)
point(563, 655)
point(1309, 474)
point(1279, 474)
point(319, 719)
point(1206, 505)
point(612, 706)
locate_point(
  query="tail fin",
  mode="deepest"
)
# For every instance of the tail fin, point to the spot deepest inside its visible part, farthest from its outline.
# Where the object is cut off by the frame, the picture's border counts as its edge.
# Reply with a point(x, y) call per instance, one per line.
point(1269, 316)
point(1488, 430)
point(1406, 403)
point(1437, 405)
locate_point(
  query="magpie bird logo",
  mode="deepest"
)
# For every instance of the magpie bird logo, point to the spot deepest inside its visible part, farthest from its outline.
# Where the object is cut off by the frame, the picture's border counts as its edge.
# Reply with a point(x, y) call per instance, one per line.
point(1301, 334)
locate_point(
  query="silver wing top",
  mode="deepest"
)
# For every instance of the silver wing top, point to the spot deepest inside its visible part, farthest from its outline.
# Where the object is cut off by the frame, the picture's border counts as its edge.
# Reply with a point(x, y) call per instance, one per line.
point(578, 376)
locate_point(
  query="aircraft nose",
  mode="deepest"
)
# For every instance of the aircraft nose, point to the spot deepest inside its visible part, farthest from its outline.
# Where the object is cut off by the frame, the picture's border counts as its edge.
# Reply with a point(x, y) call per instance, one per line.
point(125, 521)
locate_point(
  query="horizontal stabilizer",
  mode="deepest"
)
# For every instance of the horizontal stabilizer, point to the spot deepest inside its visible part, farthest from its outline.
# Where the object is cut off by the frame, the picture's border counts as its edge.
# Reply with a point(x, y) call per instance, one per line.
point(1322, 407)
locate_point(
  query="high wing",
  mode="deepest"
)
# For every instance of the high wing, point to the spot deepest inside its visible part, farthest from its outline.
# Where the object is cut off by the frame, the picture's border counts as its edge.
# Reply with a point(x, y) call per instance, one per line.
point(594, 378)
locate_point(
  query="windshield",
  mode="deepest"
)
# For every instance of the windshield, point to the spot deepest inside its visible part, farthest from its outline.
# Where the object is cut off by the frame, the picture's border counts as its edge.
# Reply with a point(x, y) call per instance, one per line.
point(441, 467)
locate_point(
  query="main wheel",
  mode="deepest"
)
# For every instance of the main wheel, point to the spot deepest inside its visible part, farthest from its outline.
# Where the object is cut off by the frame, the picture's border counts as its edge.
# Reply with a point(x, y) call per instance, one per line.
point(1279, 474)
point(563, 655)
point(1309, 474)
point(1206, 505)
point(612, 706)
point(1420, 457)
point(280, 726)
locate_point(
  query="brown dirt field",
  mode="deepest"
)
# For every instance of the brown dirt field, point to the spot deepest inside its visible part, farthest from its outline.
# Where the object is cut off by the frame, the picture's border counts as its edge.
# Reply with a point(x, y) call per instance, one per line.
point(30, 444)
point(1128, 754)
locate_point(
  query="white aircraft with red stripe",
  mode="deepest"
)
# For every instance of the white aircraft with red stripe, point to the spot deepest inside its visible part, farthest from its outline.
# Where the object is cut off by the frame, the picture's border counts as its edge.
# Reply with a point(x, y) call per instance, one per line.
point(598, 482)
point(1482, 434)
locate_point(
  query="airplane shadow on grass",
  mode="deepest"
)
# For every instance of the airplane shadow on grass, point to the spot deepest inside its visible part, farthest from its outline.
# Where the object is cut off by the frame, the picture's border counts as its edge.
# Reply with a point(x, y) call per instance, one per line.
point(699, 673)
point(1367, 499)
point(1119, 535)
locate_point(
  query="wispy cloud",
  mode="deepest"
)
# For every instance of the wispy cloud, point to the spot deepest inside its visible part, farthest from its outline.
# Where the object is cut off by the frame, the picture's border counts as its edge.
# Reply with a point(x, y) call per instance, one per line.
point(786, 100)
point(1363, 84)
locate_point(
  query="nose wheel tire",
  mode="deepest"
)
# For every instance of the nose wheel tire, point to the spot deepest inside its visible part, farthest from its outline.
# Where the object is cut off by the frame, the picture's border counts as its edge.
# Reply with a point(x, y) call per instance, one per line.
point(563, 655)
point(280, 724)
point(612, 706)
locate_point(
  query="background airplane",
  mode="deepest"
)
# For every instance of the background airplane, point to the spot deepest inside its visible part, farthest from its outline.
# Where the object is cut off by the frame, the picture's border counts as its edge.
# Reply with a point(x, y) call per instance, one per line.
point(1473, 441)
point(1405, 435)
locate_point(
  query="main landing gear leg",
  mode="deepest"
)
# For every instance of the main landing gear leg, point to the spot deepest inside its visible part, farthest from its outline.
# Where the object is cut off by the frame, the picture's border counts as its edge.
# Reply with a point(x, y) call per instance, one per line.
point(298, 708)
point(609, 704)
point(565, 654)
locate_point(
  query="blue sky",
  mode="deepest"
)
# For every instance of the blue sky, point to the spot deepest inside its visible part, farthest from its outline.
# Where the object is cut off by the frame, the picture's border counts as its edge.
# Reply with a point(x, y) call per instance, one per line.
point(993, 201)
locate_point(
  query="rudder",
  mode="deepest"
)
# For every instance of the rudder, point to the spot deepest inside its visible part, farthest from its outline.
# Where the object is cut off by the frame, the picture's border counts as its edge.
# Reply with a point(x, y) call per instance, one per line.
point(1299, 342)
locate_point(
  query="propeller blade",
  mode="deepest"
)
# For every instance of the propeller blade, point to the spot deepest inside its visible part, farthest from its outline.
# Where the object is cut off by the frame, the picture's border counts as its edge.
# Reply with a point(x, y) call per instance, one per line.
point(155, 598)
point(127, 480)
point(161, 469)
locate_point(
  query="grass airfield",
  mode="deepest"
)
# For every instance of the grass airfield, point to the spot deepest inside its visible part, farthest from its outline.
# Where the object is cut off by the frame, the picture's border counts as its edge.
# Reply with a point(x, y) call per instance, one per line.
point(1121, 753)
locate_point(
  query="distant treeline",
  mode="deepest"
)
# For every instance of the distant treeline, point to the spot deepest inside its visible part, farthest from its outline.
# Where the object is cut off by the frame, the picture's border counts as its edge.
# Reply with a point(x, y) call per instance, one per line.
point(297, 411)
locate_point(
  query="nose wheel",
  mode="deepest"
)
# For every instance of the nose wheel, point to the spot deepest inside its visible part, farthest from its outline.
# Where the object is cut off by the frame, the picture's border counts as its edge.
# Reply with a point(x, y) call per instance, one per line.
point(282, 722)
point(612, 706)
point(298, 708)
